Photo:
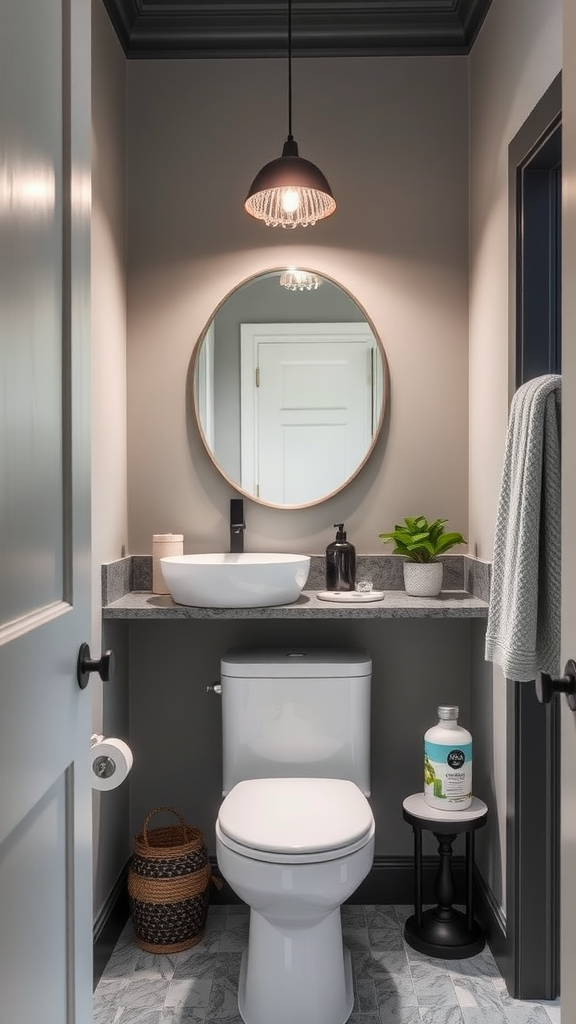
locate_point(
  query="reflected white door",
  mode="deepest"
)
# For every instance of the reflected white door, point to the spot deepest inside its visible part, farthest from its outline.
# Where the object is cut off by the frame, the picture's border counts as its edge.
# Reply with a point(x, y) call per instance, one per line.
point(307, 408)
point(45, 797)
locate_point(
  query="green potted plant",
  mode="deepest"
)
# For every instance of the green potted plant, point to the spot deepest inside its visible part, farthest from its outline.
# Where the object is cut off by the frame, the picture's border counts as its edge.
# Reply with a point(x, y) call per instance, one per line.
point(421, 543)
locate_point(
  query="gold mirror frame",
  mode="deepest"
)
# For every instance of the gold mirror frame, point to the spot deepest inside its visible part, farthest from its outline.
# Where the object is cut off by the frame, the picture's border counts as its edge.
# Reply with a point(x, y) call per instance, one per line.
point(220, 345)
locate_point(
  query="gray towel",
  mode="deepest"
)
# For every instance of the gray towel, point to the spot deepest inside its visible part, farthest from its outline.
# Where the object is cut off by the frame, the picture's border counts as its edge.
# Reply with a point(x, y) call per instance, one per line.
point(523, 633)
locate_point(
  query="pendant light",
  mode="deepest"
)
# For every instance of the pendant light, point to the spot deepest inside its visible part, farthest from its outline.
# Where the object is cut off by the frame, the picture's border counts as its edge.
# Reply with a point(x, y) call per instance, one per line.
point(290, 192)
point(295, 280)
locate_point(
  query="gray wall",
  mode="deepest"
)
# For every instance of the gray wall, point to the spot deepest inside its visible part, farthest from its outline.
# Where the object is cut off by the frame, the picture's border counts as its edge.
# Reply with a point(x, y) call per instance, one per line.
point(395, 150)
point(175, 725)
point(517, 55)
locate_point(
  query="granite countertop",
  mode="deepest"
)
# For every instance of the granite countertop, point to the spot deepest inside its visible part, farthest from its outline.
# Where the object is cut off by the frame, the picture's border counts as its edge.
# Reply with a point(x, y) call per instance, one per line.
point(395, 604)
point(127, 594)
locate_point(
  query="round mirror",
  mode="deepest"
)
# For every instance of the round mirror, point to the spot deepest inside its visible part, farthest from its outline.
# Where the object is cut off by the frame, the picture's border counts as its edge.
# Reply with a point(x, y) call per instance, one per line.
point(289, 388)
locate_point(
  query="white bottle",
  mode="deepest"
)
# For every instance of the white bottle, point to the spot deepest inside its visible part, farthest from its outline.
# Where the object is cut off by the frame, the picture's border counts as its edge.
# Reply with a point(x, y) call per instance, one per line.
point(448, 763)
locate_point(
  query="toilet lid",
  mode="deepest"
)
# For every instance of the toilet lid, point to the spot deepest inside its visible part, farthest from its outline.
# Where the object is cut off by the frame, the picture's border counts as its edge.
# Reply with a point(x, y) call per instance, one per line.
point(295, 815)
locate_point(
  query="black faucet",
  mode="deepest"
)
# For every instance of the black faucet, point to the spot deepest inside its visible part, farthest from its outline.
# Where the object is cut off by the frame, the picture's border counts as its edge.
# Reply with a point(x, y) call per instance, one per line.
point(237, 525)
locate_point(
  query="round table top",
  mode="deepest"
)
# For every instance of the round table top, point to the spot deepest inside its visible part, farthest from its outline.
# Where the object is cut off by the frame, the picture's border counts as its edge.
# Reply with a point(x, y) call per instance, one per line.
point(418, 812)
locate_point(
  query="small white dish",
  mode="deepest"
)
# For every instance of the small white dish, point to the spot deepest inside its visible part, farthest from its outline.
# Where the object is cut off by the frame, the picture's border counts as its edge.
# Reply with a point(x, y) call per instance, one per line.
point(350, 596)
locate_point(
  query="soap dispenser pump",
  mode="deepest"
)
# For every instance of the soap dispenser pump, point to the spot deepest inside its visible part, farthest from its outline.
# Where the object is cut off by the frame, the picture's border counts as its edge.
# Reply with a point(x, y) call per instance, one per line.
point(340, 562)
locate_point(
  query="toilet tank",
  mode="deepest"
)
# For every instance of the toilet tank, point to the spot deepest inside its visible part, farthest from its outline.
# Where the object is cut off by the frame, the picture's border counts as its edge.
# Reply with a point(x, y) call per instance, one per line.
point(296, 712)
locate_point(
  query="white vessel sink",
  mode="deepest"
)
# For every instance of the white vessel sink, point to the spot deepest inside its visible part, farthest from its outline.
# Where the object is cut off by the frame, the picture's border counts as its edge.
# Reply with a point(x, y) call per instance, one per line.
point(235, 581)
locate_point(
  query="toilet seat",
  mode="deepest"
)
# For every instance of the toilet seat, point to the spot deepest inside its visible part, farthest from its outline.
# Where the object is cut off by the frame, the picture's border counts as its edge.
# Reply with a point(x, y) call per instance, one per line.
point(295, 820)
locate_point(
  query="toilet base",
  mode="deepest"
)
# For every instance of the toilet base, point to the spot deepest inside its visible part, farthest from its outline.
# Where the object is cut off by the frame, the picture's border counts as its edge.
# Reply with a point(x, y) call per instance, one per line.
point(293, 975)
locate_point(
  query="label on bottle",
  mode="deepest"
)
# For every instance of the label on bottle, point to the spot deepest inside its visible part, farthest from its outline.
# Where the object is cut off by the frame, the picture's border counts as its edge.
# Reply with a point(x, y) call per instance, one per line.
point(447, 774)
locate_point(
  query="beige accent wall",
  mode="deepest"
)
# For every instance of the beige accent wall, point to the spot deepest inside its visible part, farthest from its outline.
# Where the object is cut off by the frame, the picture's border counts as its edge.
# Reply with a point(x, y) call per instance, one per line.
point(515, 58)
point(391, 136)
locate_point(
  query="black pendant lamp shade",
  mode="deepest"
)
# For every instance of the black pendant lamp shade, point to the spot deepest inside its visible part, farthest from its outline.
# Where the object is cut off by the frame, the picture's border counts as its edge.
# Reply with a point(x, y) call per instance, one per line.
point(290, 192)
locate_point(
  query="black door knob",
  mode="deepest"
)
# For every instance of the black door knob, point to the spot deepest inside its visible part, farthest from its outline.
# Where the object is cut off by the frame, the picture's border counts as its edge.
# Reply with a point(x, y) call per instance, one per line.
point(546, 687)
point(104, 666)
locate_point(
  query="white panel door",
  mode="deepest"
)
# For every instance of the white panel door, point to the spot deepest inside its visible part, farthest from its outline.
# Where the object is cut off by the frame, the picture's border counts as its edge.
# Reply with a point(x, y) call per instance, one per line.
point(45, 797)
point(568, 719)
point(311, 393)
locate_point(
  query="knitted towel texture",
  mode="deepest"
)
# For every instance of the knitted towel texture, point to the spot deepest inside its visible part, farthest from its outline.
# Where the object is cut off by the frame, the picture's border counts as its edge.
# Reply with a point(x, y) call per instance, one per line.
point(523, 632)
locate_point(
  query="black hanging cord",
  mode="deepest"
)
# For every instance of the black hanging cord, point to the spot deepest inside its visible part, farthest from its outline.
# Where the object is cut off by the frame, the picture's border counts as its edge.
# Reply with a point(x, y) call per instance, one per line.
point(289, 69)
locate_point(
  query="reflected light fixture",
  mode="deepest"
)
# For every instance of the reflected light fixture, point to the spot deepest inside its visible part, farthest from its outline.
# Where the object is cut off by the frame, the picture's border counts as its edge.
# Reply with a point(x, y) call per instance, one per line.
point(290, 192)
point(300, 280)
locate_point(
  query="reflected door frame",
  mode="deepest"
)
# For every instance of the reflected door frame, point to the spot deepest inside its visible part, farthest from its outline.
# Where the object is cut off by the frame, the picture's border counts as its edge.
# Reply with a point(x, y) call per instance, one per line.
point(530, 961)
point(252, 336)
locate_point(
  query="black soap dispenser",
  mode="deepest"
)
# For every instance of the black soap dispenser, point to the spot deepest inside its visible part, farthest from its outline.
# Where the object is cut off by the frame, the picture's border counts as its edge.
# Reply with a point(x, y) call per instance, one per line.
point(340, 562)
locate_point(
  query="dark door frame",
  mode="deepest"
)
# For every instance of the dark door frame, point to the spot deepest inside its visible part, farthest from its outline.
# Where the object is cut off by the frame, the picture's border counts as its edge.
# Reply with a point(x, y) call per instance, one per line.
point(531, 961)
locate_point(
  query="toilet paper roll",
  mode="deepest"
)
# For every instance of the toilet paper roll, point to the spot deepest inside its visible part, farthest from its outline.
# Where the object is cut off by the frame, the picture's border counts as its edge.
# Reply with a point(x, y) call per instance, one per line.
point(164, 544)
point(110, 761)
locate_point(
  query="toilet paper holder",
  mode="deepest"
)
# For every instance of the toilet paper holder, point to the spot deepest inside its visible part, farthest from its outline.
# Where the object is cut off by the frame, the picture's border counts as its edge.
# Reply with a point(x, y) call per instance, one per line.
point(111, 761)
point(105, 765)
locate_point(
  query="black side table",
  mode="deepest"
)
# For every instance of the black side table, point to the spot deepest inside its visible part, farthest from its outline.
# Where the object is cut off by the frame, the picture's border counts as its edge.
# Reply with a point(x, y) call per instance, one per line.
point(443, 931)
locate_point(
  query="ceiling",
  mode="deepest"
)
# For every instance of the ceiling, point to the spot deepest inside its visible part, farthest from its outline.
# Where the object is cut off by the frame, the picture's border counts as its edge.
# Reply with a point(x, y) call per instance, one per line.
point(320, 28)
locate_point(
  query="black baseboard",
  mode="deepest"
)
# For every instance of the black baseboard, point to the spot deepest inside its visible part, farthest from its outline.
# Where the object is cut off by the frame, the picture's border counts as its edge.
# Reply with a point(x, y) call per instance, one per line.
point(391, 880)
point(490, 916)
point(108, 925)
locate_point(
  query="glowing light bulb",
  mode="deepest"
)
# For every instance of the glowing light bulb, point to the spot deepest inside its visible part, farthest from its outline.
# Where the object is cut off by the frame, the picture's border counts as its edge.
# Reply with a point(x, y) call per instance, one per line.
point(290, 200)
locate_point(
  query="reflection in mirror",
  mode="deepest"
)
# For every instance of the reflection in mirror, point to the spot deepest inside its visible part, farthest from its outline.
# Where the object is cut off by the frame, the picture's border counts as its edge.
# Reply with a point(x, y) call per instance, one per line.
point(289, 388)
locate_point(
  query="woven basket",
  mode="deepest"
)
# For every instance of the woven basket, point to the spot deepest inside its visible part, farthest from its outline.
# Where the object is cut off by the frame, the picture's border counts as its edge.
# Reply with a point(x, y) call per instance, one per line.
point(168, 883)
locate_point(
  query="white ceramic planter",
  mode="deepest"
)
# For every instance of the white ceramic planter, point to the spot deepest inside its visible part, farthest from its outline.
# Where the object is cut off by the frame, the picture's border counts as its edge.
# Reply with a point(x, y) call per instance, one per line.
point(423, 579)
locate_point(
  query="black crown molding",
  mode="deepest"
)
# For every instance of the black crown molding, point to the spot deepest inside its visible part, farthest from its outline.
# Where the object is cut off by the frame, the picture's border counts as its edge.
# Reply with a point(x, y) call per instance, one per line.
point(320, 28)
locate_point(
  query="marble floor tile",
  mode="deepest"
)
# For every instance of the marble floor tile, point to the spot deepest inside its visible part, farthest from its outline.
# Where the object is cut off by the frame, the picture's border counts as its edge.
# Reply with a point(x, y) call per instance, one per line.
point(190, 992)
point(553, 1011)
point(107, 1007)
point(398, 1015)
point(476, 991)
point(146, 994)
point(195, 963)
point(533, 1015)
point(353, 916)
point(223, 1005)
point(228, 966)
point(394, 994)
point(365, 999)
point(393, 983)
point(364, 1018)
point(483, 1015)
point(355, 938)
point(139, 1016)
point(441, 1015)
point(432, 987)
point(183, 1015)
point(234, 937)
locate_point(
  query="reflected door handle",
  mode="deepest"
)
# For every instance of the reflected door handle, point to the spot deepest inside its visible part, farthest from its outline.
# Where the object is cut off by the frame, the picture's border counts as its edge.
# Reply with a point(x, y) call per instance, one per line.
point(546, 687)
point(104, 666)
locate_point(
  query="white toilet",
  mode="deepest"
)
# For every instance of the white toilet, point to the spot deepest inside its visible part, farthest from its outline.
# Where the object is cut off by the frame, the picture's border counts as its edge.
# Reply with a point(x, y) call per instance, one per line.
point(295, 832)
